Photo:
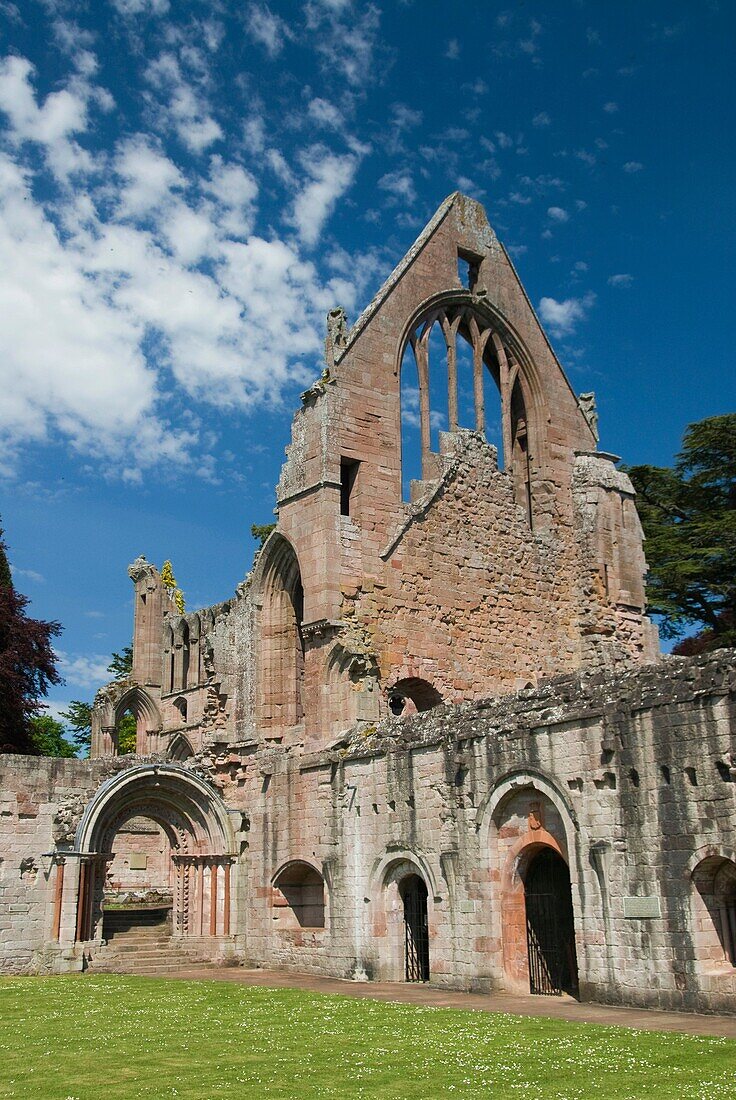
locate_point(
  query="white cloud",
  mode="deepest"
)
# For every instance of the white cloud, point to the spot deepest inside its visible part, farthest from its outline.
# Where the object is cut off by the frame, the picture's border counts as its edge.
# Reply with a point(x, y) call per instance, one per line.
point(254, 134)
point(106, 318)
point(148, 177)
point(51, 125)
point(141, 7)
point(346, 40)
point(620, 280)
point(325, 114)
point(610, 108)
point(562, 317)
point(400, 184)
point(267, 29)
point(542, 119)
point(558, 214)
point(88, 672)
point(330, 177)
point(632, 166)
point(236, 190)
point(453, 49)
point(182, 105)
point(404, 117)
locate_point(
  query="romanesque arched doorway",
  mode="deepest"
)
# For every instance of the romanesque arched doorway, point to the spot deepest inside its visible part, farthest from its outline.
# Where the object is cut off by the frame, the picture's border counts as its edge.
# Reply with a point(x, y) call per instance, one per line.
point(154, 838)
point(532, 836)
point(550, 926)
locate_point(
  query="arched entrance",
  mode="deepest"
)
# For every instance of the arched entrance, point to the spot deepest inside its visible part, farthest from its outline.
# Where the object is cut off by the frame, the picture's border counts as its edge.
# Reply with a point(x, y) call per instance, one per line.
point(550, 927)
point(154, 838)
point(532, 888)
point(413, 893)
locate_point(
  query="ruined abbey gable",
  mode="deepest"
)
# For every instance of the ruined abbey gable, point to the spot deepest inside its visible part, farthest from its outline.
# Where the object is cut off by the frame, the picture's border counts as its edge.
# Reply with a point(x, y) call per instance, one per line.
point(430, 736)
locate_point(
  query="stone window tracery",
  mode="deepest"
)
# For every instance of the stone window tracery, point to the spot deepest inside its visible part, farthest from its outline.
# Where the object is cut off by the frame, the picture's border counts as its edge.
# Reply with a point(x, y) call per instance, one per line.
point(456, 353)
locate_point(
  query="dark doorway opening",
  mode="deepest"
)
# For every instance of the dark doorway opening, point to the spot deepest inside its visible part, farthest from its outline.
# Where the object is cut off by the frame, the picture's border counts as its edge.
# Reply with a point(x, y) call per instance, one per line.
point(416, 929)
point(550, 926)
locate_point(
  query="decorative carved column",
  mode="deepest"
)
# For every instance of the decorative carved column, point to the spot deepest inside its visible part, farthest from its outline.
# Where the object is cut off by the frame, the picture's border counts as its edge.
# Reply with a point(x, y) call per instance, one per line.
point(226, 901)
point(213, 898)
point(109, 746)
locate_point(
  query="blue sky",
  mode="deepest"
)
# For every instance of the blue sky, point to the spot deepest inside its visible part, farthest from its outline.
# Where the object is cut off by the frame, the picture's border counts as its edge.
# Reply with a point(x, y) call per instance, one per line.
point(187, 187)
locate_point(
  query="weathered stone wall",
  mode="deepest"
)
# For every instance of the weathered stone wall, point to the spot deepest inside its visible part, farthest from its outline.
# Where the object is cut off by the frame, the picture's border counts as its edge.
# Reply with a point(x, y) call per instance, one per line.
point(628, 776)
point(41, 803)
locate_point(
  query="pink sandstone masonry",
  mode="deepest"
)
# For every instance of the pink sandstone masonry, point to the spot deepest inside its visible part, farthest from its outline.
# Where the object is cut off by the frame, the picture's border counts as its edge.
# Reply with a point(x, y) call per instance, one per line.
point(427, 739)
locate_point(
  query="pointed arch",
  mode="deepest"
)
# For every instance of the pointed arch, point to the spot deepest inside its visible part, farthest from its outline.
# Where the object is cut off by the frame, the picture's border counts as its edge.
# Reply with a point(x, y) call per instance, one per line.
point(498, 352)
point(279, 597)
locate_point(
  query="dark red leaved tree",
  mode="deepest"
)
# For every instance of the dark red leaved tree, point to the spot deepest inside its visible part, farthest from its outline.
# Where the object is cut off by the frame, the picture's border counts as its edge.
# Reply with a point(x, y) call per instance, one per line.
point(27, 663)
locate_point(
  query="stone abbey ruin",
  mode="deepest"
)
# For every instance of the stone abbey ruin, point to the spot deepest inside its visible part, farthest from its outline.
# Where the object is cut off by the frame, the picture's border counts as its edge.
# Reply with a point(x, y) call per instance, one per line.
point(427, 739)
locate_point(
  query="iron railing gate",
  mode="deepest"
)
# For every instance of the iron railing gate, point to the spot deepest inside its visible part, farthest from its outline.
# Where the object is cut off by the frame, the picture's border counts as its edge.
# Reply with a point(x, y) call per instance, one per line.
point(416, 931)
point(549, 926)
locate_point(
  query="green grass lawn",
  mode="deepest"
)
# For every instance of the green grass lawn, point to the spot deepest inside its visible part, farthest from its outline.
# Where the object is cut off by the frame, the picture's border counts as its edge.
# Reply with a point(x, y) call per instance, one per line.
point(79, 1038)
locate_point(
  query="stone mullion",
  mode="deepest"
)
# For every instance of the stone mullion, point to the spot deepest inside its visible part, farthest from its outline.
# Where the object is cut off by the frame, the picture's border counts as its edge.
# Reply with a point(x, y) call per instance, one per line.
point(450, 334)
point(421, 354)
point(479, 340)
point(505, 387)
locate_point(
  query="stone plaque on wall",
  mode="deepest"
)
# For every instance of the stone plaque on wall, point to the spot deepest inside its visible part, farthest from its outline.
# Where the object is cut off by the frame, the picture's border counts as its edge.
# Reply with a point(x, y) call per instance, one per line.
point(138, 861)
point(646, 908)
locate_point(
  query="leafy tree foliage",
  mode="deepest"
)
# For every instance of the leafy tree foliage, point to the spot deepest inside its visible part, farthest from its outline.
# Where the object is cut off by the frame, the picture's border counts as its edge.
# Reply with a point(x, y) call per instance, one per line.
point(47, 737)
point(27, 663)
point(689, 518)
point(261, 531)
point(127, 728)
point(121, 664)
point(78, 718)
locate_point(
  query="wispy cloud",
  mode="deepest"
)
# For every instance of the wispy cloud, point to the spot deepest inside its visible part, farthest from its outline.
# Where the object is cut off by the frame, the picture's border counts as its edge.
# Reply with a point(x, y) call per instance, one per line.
point(620, 280)
point(28, 574)
point(268, 30)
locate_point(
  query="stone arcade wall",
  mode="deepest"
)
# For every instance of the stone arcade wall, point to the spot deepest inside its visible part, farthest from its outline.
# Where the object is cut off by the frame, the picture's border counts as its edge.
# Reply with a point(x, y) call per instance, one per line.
point(630, 777)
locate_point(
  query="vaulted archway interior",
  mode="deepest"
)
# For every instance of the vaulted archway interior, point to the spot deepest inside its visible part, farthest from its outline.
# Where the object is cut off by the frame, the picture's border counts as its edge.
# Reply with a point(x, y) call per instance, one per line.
point(282, 644)
point(155, 846)
point(138, 888)
point(457, 371)
point(714, 880)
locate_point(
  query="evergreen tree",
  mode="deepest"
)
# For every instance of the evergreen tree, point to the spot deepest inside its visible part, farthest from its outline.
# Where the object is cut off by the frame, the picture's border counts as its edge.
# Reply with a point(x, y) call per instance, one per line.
point(689, 518)
point(27, 663)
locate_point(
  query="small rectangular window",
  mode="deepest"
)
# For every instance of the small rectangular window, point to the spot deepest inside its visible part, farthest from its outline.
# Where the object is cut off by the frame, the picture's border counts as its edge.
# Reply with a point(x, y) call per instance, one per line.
point(468, 269)
point(348, 475)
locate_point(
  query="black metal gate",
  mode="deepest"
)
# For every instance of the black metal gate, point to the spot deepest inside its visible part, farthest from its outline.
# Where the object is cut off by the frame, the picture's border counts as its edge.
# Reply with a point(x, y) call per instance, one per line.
point(550, 929)
point(416, 929)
